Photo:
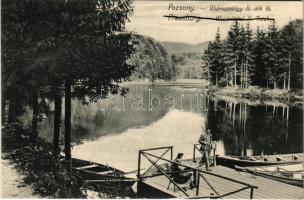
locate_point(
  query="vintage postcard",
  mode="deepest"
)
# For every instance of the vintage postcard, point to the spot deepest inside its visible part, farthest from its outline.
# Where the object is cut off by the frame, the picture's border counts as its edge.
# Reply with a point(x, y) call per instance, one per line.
point(152, 99)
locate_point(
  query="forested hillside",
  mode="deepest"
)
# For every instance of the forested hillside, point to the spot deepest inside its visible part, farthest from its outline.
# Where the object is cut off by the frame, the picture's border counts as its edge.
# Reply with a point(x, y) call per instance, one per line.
point(186, 58)
point(166, 60)
point(188, 65)
point(270, 59)
point(180, 47)
point(152, 60)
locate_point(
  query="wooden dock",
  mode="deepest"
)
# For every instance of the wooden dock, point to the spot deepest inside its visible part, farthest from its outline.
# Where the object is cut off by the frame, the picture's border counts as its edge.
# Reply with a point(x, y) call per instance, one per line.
point(221, 182)
point(267, 188)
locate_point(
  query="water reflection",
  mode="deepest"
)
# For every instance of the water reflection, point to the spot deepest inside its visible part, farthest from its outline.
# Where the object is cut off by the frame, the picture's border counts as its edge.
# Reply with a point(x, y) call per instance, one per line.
point(242, 127)
point(143, 105)
point(177, 128)
point(255, 128)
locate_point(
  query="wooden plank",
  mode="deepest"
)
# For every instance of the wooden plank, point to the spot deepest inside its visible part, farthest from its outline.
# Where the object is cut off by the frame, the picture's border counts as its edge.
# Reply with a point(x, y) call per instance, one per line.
point(207, 190)
point(257, 180)
point(227, 187)
point(204, 189)
point(267, 188)
point(224, 187)
point(104, 172)
point(277, 188)
point(261, 180)
point(158, 185)
point(167, 176)
point(86, 167)
point(205, 172)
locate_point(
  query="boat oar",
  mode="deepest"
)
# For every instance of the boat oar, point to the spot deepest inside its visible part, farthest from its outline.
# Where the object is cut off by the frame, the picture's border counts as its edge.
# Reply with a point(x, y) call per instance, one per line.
point(243, 169)
point(254, 170)
point(110, 180)
point(240, 168)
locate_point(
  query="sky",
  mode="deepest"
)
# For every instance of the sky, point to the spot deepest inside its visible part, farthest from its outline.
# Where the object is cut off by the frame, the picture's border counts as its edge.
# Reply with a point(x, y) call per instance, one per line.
point(147, 18)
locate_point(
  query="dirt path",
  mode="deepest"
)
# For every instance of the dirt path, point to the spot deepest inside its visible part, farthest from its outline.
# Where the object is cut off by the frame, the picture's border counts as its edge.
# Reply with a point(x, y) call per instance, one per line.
point(12, 184)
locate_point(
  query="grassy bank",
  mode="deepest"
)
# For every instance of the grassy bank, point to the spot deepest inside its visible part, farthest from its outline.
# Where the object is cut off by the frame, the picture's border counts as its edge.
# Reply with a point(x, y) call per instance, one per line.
point(257, 93)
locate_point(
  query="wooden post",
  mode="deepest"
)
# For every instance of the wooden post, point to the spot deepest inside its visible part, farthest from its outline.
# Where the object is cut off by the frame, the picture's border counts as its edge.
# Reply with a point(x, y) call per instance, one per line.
point(214, 157)
point(171, 156)
point(194, 146)
point(197, 182)
point(138, 164)
point(251, 193)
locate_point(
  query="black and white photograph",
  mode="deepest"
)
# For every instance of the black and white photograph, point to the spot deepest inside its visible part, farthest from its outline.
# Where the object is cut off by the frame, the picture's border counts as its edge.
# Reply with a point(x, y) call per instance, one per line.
point(154, 99)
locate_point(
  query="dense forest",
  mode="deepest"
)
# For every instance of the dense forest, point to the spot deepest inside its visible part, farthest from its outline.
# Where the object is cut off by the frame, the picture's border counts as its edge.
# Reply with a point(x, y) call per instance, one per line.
point(188, 65)
point(186, 58)
point(270, 59)
point(151, 60)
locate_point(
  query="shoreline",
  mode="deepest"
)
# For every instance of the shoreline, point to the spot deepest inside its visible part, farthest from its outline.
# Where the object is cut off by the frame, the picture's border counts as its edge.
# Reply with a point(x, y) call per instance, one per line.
point(177, 82)
point(252, 93)
point(255, 93)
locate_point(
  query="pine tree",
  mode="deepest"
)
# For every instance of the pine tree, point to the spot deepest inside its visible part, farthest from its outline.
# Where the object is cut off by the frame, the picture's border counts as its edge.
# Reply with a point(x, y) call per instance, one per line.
point(214, 60)
point(271, 55)
point(242, 56)
point(233, 51)
point(259, 49)
point(248, 55)
point(290, 54)
point(207, 60)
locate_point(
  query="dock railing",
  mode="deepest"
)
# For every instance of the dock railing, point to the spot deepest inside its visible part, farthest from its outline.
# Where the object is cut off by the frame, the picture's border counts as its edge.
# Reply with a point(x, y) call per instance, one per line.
point(198, 173)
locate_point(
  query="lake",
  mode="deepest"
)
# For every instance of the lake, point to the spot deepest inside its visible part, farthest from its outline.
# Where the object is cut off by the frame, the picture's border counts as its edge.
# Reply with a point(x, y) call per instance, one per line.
point(112, 130)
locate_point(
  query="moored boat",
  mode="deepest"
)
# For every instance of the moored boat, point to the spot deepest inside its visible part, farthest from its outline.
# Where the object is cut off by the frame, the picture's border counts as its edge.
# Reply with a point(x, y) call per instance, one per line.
point(95, 174)
point(246, 161)
point(287, 173)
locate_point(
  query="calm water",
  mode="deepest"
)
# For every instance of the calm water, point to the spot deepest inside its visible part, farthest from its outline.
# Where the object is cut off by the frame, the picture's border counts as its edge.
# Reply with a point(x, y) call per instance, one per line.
point(114, 129)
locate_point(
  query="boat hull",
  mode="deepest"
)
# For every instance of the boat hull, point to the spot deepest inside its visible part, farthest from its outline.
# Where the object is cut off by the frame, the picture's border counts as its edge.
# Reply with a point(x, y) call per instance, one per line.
point(95, 174)
point(290, 181)
point(272, 160)
point(292, 174)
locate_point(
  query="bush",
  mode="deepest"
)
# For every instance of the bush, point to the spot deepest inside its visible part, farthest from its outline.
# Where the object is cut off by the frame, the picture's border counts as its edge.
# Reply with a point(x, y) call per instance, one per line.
point(47, 175)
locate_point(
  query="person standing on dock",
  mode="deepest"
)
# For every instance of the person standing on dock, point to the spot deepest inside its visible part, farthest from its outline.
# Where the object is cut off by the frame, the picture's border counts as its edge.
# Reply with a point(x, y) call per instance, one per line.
point(205, 141)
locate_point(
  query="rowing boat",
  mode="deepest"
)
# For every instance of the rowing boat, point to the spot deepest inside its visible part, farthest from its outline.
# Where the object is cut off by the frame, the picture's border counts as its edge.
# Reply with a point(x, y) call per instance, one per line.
point(94, 174)
point(246, 161)
point(288, 173)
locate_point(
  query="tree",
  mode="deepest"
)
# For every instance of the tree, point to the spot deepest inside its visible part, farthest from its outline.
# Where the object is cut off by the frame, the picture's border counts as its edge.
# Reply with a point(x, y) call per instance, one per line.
point(290, 53)
point(248, 54)
point(76, 44)
point(207, 60)
point(93, 52)
point(26, 37)
point(152, 60)
point(214, 59)
point(242, 55)
point(271, 56)
point(232, 51)
point(259, 50)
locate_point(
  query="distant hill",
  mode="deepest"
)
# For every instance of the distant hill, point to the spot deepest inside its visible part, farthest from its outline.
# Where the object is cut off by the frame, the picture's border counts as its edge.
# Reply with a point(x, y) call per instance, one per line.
point(166, 60)
point(186, 58)
point(179, 47)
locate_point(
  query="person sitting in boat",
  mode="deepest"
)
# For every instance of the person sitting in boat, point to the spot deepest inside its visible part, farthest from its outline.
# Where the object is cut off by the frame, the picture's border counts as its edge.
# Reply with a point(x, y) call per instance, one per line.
point(183, 176)
point(205, 141)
